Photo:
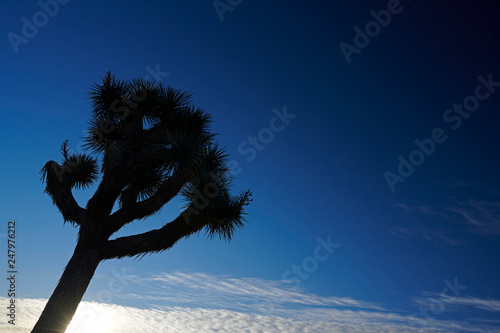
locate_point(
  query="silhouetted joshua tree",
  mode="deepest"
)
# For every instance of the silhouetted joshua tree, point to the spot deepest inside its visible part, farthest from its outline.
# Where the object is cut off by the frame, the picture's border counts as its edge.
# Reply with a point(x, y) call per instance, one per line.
point(153, 145)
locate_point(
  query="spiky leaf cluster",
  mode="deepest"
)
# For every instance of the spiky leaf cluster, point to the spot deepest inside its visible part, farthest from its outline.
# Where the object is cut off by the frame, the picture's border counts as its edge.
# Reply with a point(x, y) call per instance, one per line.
point(153, 144)
point(75, 171)
point(210, 197)
point(145, 130)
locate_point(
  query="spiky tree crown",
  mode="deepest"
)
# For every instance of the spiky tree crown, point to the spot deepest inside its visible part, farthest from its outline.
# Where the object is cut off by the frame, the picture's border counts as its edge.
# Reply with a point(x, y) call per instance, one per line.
point(153, 145)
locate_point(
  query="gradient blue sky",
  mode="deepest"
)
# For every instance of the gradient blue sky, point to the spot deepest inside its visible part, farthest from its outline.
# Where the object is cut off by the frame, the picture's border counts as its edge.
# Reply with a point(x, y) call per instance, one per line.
point(322, 176)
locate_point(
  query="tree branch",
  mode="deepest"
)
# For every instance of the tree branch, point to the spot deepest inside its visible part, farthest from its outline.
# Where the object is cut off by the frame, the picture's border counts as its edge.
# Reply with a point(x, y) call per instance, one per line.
point(68, 206)
point(102, 202)
point(138, 210)
point(220, 217)
point(152, 241)
point(58, 186)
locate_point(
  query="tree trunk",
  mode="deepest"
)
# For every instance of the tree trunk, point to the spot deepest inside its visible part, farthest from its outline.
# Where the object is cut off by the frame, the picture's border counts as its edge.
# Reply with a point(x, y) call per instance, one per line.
point(62, 305)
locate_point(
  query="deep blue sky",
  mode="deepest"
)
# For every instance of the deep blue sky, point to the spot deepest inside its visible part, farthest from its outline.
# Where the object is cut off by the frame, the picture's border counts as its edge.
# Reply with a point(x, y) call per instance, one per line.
point(321, 176)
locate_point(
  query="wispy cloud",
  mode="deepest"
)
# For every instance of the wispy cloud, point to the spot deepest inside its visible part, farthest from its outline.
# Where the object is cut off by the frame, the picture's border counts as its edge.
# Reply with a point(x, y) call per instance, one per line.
point(482, 216)
point(475, 216)
point(236, 294)
point(199, 302)
point(458, 303)
point(439, 235)
point(420, 209)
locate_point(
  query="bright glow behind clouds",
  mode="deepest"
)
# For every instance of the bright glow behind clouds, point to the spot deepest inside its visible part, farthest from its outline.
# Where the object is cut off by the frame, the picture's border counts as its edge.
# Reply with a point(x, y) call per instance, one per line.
point(127, 319)
point(207, 303)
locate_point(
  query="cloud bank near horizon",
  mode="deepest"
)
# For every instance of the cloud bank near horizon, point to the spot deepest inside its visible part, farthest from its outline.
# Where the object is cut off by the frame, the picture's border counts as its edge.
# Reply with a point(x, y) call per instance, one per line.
point(210, 303)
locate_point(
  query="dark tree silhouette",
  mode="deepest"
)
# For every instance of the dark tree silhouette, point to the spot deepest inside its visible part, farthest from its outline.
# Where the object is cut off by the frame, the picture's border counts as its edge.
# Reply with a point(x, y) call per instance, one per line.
point(152, 145)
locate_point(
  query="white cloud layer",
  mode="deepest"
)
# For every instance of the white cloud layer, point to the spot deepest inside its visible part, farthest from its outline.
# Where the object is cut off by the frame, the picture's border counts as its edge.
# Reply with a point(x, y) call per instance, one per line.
point(218, 304)
point(243, 294)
